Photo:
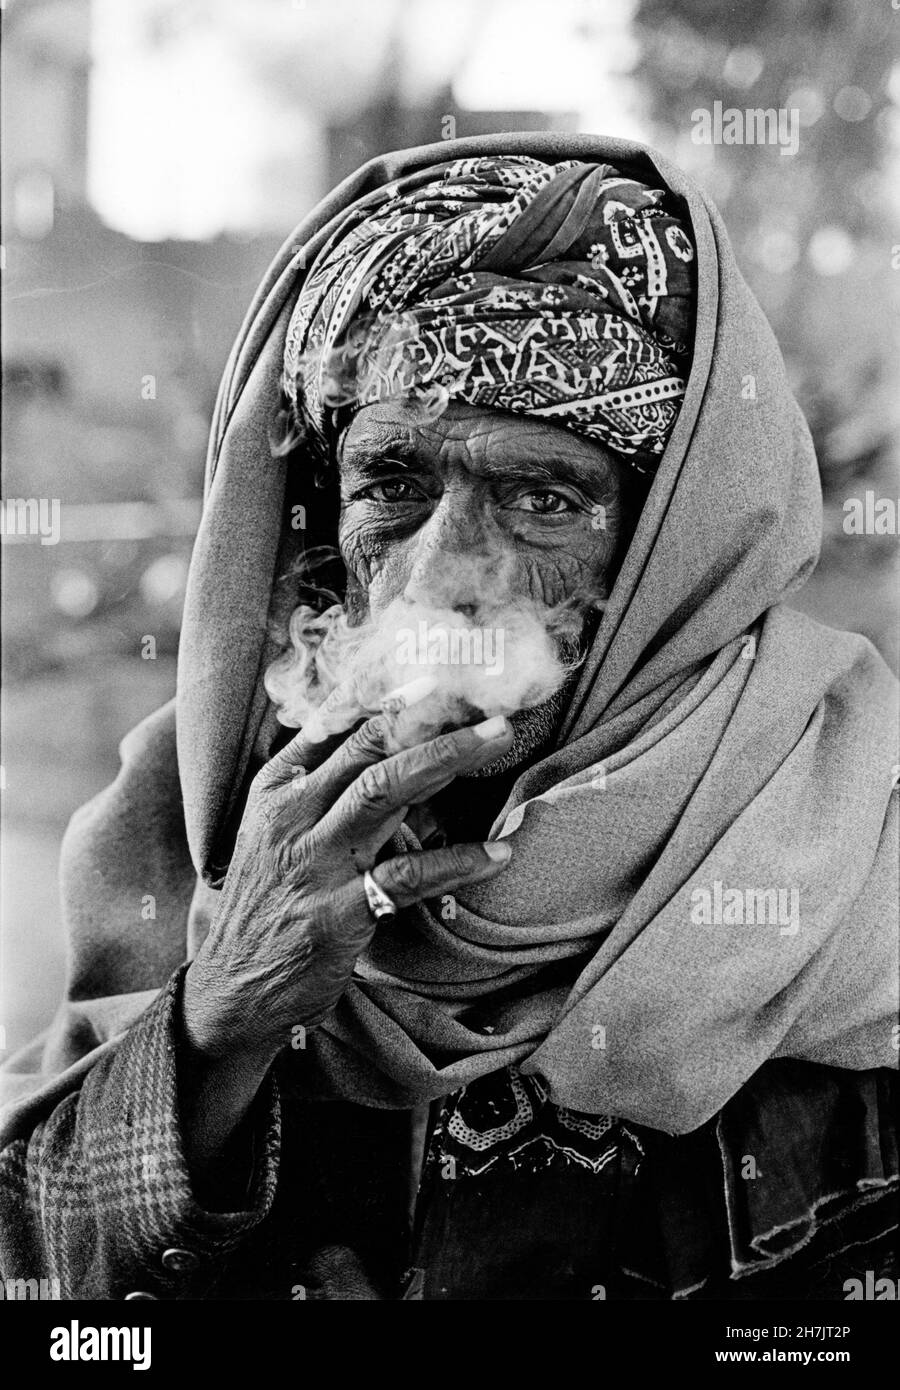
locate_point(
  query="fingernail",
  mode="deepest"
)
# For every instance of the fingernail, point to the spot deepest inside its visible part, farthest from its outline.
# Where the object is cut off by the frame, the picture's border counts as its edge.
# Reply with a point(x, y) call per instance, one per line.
point(498, 851)
point(490, 728)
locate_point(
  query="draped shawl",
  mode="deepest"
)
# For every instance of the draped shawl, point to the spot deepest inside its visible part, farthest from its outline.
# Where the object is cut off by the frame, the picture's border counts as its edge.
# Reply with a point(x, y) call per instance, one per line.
point(717, 743)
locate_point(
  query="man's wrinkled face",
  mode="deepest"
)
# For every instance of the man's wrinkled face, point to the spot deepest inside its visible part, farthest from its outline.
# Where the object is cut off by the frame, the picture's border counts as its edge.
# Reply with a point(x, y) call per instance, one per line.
point(423, 502)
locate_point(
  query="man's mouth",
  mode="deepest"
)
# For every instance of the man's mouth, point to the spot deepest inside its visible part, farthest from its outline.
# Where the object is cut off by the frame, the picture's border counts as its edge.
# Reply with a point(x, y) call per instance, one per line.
point(428, 671)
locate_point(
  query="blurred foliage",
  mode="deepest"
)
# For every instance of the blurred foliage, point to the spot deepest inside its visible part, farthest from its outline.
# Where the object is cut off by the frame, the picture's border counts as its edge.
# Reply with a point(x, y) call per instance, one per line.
point(812, 231)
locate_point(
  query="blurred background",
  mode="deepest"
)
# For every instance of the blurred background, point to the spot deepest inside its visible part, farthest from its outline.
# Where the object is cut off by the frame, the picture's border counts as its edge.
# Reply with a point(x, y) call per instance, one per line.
point(155, 155)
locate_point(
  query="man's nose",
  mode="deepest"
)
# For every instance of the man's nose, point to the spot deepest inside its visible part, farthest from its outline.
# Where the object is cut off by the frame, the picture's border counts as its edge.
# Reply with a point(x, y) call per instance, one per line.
point(451, 562)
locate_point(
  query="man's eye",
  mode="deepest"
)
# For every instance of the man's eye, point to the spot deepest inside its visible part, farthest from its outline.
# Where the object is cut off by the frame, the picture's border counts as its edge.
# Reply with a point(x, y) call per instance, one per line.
point(545, 503)
point(394, 490)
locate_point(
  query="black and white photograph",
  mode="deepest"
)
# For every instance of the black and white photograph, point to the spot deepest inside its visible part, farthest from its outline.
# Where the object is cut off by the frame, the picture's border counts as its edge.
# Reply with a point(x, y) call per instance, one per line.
point(450, 747)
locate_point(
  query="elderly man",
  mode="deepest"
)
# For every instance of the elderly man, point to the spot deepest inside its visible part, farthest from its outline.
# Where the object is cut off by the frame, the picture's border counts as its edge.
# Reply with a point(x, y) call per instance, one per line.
point(573, 982)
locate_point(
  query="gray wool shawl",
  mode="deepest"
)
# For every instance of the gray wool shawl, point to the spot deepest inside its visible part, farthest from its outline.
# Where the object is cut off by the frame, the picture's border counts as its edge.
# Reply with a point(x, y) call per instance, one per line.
point(715, 737)
point(717, 744)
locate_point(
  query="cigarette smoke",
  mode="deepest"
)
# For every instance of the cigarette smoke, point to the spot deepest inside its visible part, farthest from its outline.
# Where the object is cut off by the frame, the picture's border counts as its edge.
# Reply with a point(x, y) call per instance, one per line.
point(475, 649)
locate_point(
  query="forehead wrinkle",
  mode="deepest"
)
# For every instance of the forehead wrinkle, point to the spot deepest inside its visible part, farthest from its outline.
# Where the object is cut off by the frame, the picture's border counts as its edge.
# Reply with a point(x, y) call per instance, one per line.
point(532, 450)
point(378, 440)
point(492, 445)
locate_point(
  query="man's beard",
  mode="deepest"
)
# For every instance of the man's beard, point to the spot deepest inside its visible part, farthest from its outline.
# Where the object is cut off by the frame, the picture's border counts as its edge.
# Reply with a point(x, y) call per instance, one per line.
point(533, 729)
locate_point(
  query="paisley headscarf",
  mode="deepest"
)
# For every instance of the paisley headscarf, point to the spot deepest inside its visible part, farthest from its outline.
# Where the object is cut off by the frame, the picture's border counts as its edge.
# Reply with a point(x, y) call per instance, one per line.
point(562, 291)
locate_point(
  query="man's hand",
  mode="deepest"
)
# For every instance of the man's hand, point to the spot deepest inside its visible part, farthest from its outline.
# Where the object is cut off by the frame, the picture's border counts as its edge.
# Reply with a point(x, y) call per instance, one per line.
point(294, 917)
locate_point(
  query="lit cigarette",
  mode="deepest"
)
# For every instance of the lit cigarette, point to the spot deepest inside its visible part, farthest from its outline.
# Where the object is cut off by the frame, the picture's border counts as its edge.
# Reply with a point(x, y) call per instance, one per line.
point(402, 696)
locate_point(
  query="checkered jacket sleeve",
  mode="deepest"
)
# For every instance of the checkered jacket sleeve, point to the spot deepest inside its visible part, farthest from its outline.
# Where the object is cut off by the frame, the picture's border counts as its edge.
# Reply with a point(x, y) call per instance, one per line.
point(99, 1191)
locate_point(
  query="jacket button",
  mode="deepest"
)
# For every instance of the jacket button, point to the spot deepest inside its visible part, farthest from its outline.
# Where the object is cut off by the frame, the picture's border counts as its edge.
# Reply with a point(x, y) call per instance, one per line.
point(179, 1261)
point(143, 1297)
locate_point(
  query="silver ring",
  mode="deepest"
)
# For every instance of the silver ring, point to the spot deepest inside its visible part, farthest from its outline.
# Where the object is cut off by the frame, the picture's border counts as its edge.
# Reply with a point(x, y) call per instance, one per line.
point(381, 904)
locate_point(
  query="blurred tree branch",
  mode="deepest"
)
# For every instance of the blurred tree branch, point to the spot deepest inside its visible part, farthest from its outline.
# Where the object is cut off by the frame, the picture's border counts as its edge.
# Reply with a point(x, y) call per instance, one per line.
point(811, 231)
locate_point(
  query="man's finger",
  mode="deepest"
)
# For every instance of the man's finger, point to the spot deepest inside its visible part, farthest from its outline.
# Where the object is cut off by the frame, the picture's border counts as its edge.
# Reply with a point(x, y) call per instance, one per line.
point(327, 728)
point(406, 778)
point(409, 878)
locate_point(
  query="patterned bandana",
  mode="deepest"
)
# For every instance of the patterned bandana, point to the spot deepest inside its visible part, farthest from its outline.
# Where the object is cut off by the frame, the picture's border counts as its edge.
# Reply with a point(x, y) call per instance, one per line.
point(561, 291)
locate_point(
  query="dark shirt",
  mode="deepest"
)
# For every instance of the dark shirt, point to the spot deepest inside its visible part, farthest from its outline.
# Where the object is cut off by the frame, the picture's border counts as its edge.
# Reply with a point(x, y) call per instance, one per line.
point(519, 1197)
